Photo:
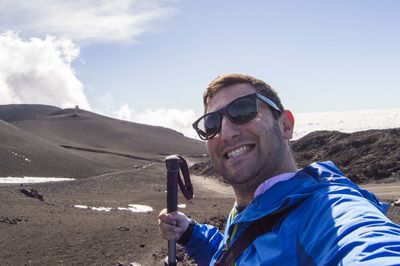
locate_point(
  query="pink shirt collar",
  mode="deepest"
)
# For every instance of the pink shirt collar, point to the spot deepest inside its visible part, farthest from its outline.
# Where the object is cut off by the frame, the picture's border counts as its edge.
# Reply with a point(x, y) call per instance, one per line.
point(267, 184)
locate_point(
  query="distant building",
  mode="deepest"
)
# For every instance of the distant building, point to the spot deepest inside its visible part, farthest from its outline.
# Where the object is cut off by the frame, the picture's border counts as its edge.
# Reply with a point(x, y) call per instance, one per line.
point(76, 111)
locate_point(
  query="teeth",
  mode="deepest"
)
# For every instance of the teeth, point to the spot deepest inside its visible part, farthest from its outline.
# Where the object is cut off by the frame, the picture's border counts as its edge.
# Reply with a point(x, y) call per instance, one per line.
point(237, 151)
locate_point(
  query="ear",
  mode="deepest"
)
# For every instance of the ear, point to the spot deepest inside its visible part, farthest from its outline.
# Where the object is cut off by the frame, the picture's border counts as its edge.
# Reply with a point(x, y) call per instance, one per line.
point(286, 120)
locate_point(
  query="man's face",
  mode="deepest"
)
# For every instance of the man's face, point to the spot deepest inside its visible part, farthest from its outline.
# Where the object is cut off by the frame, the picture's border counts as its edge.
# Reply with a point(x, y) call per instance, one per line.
point(245, 154)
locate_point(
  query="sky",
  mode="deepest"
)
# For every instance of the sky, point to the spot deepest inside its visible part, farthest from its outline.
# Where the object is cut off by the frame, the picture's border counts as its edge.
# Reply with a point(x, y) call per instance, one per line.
point(150, 61)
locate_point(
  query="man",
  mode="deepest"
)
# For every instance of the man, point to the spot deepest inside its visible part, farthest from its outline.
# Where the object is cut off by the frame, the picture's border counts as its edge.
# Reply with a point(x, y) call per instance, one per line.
point(315, 215)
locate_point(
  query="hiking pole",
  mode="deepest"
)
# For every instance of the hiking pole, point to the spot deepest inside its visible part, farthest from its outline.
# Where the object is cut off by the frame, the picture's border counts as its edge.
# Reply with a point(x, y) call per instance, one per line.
point(174, 163)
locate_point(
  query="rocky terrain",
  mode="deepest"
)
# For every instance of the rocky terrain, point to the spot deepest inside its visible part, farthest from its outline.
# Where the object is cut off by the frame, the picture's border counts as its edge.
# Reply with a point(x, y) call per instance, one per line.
point(365, 157)
point(370, 156)
point(119, 166)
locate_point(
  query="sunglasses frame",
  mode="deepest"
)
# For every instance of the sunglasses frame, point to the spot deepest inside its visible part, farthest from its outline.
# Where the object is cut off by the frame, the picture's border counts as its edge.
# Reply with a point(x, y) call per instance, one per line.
point(223, 111)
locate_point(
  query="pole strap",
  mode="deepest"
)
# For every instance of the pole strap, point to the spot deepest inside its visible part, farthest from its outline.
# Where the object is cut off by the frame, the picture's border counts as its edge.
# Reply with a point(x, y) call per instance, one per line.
point(185, 185)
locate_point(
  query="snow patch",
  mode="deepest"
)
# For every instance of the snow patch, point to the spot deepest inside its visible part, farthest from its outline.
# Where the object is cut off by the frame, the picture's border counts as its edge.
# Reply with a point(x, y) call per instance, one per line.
point(81, 206)
point(136, 208)
point(20, 155)
point(31, 179)
point(132, 207)
point(106, 209)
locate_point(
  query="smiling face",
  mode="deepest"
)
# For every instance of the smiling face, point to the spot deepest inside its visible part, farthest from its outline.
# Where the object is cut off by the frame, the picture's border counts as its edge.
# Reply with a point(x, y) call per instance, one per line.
point(247, 154)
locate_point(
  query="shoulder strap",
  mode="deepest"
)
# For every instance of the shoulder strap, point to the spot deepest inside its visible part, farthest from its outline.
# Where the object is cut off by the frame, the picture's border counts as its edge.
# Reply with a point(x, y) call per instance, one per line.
point(256, 228)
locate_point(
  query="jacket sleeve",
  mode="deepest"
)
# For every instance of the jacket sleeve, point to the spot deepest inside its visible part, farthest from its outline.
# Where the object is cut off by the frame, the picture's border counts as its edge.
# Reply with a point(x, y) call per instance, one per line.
point(340, 227)
point(203, 243)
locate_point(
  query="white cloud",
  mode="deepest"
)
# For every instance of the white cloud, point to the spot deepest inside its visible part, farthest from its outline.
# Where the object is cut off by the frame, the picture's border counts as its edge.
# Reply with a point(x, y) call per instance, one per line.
point(346, 121)
point(39, 71)
point(107, 102)
point(124, 112)
point(179, 120)
point(82, 20)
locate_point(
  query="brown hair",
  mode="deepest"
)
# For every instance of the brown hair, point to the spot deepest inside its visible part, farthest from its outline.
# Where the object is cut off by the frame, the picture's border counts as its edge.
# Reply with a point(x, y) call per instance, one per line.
point(233, 79)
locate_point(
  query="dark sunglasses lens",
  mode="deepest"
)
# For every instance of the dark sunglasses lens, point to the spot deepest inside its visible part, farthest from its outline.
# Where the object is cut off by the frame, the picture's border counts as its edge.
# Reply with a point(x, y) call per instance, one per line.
point(242, 110)
point(208, 125)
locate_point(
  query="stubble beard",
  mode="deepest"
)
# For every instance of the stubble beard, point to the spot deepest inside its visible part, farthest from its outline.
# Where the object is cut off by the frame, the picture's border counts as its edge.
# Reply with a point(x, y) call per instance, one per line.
point(262, 171)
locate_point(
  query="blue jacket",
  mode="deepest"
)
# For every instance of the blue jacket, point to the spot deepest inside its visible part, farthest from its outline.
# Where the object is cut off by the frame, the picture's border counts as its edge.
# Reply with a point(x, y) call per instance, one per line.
point(334, 223)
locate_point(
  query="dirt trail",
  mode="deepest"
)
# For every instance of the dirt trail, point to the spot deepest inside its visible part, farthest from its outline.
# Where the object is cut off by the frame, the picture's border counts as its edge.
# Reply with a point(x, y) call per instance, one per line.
point(389, 191)
point(211, 188)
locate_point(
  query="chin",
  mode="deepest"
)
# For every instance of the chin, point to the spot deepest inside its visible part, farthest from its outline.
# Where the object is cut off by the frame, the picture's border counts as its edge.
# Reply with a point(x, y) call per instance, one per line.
point(237, 178)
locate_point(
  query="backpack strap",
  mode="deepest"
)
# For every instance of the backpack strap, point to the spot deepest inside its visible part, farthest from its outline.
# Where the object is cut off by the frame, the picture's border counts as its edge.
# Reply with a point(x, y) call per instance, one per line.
point(256, 228)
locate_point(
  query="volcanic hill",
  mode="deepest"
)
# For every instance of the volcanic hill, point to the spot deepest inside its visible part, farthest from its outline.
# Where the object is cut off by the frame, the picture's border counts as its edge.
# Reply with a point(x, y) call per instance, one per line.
point(41, 140)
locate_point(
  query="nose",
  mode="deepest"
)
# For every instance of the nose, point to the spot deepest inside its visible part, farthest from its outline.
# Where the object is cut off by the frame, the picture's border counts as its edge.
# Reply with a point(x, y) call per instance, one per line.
point(229, 130)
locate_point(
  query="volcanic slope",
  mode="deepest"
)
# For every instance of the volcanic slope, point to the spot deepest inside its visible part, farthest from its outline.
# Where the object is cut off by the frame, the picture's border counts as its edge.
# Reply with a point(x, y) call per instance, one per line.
point(97, 132)
point(96, 144)
point(17, 112)
point(23, 154)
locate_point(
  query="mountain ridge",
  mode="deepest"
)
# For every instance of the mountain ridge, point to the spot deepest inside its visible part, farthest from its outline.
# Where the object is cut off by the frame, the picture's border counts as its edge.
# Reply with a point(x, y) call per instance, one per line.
point(93, 137)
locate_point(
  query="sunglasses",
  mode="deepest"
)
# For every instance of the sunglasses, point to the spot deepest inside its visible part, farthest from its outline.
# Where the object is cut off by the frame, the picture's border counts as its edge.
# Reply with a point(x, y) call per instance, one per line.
point(239, 111)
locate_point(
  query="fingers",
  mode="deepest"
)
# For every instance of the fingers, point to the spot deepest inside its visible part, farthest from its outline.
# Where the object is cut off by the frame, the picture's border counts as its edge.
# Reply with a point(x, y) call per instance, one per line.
point(168, 218)
point(169, 232)
point(172, 225)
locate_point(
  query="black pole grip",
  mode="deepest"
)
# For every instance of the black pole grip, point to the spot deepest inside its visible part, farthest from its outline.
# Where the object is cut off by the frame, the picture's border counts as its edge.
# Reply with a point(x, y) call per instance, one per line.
point(173, 163)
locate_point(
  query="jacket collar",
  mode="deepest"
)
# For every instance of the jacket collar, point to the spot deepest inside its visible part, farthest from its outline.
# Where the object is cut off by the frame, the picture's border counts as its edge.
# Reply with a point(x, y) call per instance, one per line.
point(297, 189)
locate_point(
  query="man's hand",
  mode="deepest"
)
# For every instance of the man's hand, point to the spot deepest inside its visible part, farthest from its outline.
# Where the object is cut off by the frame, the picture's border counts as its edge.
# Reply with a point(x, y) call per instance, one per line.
point(172, 225)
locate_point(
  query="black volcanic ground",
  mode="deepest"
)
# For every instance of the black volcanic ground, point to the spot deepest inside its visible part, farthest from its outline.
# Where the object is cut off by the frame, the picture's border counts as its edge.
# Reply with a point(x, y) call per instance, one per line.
point(117, 163)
